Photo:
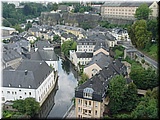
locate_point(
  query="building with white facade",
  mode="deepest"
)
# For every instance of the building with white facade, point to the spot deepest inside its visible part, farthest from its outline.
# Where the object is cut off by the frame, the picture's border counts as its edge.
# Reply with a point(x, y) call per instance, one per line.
point(126, 10)
point(31, 79)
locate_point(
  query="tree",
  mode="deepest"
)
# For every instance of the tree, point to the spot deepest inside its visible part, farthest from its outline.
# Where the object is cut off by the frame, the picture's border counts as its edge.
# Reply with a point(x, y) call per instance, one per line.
point(152, 26)
point(56, 38)
point(32, 106)
point(55, 6)
point(6, 23)
point(143, 79)
point(68, 45)
point(28, 106)
point(143, 12)
point(18, 28)
point(147, 108)
point(139, 34)
point(130, 97)
point(29, 25)
point(84, 78)
point(116, 90)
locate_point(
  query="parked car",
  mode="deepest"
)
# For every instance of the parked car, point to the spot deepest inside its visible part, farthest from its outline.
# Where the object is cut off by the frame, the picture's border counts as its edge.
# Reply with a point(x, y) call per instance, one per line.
point(142, 55)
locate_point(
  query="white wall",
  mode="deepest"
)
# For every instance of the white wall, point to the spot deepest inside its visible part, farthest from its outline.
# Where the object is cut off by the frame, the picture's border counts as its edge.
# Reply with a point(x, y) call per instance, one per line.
point(40, 94)
point(15, 93)
point(53, 63)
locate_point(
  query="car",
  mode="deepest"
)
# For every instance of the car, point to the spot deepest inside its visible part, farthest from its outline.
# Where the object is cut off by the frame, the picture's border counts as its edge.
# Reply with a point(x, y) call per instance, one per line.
point(142, 55)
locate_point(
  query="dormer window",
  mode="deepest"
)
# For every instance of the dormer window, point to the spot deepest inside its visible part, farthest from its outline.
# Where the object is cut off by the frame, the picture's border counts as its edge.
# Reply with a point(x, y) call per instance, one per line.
point(9, 85)
point(87, 93)
point(19, 85)
point(29, 86)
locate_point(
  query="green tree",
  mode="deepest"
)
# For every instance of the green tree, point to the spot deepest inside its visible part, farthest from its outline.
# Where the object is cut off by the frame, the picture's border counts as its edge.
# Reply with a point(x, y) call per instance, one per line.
point(55, 6)
point(32, 106)
point(84, 78)
point(19, 105)
point(18, 28)
point(130, 97)
point(116, 90)
point(139, 35)
point(143, 12)
point(147, 108)
point(68, 45)
point(56, 38)
point(152, 26)
point(6, 23)
point(29, 25)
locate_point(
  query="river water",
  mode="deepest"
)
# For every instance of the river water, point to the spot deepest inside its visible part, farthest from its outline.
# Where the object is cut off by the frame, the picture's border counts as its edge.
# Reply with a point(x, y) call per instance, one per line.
point(67, 82)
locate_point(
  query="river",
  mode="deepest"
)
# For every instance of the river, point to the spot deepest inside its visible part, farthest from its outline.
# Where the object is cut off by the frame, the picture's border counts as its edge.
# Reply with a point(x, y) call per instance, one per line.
point(67, 82)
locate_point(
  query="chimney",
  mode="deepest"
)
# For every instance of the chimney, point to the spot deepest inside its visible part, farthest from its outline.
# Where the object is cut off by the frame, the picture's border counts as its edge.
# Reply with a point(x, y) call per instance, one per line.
point(26, 71)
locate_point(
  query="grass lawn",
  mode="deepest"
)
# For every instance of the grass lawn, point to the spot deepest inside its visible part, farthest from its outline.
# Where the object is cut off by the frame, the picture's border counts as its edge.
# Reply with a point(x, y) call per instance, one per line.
point(153, 52)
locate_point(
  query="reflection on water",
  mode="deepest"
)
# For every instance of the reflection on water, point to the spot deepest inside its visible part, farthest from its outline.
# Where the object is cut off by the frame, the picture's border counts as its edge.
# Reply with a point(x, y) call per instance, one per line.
point(48, 104)
point(66, 83)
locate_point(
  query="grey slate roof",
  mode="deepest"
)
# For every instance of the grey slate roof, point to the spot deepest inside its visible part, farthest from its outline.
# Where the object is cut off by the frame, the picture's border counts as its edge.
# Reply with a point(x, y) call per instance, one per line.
point(99, 83)
point(70, 28)
point(9, 55)
point(100, 59)
point(46, 55)
point(69, 35)
point(86, 41)
point(101, 44)
point(43, 44)
point(37, 71)
point(84, 55)
point(125, 4)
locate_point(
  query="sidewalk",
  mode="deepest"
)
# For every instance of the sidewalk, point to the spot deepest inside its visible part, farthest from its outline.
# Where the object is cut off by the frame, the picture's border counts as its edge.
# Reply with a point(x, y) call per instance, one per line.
point(71, 113)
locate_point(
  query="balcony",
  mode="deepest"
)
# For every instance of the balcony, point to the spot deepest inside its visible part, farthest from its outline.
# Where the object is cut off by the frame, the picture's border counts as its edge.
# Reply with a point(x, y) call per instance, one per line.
point(88, 107)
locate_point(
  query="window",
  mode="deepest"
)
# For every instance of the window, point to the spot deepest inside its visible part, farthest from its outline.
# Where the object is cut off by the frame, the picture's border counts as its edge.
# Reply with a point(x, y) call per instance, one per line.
point(79, 101)
point(90, 103)
point(15, 92)
point(29, 93)
point(96, 112)
point(20, 96)
point(19, 90)
point(96, 104)
point(3, 98)
point(79, 109)
point(25, 93)
point(12, 92)
point(8, 92)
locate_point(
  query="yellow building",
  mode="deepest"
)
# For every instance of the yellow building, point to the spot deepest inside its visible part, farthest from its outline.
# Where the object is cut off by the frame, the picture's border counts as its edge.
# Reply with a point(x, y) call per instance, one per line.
point(126, 10)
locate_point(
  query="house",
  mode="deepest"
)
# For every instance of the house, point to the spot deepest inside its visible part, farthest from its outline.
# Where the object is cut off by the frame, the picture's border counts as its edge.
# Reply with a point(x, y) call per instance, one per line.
point(48, 56)
point(120, 34)
point(11, 58)
point(28, 80)
point(80, 58)
point(85, 45)
point(20, 46)
point(111, 40)
point(67, 36)
point(126, 10)
point(45, 45)
point(84, 53)
point(7, 31)
point(91, 96)
point(97, 63)
point(74, 30)
point(101, 46)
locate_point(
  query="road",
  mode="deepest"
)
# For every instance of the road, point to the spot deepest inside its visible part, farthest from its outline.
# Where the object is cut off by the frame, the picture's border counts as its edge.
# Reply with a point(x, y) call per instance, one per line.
point(128, 44)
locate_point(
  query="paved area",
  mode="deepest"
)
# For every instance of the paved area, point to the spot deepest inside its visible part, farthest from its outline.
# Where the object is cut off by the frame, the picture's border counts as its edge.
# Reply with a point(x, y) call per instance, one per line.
point(71, 113)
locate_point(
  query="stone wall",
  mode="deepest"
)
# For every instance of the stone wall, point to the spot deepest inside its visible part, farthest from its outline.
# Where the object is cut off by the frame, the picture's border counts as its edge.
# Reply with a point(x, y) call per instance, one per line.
point(72, 19)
